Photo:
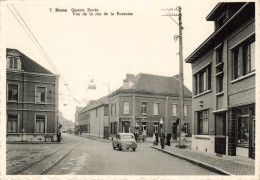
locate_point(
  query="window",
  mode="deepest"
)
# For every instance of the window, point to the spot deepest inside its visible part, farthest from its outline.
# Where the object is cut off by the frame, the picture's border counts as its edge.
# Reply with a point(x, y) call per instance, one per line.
point(12, 92)
point(13, 63)
point(245, 116)
point(111, 109)
point(203, 122)
point(144, 106)
point(185, 110)
point(115, 108)
point(243, 59)
point(156, 109)
point(248, 58)
point(221, 21)
point(126, 107)
point(174, 109)
point(203, 80)
point(40, 123)
point(219, 69)
point(12, 123)
point(41, 94)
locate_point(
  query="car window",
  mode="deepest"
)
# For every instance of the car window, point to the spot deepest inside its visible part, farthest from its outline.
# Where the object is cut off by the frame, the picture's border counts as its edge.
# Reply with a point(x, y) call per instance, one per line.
point(127, 137)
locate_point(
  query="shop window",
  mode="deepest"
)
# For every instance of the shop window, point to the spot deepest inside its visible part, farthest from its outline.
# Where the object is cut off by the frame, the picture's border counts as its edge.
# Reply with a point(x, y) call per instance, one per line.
point(203, 122)
point(126, 107)
point(40, 123)
point(41, 94)
point(12, 92)
point(156, 109)
point(12, 123)
point(144, 106)
point(155, 127)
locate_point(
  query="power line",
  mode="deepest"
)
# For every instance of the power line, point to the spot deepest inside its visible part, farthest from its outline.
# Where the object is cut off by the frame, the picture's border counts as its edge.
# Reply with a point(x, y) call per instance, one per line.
point(39, 46)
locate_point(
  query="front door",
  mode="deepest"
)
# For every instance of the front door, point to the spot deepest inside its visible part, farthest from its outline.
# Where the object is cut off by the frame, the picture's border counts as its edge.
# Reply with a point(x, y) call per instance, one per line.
point(126, 126)
point(174, 131)
point(220, 133)
point(144, 127)
point(155, 127)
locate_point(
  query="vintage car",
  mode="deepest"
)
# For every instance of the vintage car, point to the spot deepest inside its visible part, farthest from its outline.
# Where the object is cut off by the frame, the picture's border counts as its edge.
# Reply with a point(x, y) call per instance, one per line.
point(124, 141)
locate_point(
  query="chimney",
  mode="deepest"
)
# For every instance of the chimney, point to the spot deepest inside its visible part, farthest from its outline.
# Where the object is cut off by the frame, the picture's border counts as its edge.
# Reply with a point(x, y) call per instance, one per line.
point(130, 76)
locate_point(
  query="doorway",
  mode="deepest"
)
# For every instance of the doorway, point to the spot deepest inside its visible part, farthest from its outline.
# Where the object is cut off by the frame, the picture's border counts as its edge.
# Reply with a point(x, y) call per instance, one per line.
point(144, 127)
point(174, 131)
point(220, 133)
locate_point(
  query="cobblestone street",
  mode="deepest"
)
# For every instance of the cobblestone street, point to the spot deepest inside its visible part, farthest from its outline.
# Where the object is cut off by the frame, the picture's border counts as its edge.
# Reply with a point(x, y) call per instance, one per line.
point(81, 156)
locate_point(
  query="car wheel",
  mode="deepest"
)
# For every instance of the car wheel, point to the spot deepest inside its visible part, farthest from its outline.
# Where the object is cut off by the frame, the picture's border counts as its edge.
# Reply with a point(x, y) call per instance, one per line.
point(133, 149)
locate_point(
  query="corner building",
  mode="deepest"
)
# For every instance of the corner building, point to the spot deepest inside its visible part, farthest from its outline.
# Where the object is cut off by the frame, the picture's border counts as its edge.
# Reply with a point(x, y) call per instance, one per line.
point(223, 66)
point(143, 100)
point(31, 100)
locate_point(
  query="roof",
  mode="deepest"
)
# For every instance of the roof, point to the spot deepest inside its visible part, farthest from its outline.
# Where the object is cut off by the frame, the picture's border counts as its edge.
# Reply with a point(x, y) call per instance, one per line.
point(245, 11)
point(27, 64)
point(155, 84)
point(99, 102)
point(220, 7)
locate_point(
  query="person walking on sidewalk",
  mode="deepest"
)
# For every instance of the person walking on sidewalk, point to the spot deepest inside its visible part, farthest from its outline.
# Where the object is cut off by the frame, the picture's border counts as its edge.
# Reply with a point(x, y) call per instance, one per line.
point(162, 139)
point(156, 138)
point(168, 139)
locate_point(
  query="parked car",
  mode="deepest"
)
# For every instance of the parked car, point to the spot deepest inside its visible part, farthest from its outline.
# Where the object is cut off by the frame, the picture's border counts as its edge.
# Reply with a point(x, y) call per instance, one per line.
point(124, 141)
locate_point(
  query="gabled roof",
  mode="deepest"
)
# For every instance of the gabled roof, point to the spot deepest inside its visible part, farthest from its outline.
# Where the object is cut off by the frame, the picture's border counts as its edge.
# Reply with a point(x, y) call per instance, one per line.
point(99, 102)
point(28, 65)
point(155, 84)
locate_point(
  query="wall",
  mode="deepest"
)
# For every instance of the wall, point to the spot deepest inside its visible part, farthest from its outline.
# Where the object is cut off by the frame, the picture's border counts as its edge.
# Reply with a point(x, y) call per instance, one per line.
point(26, 106)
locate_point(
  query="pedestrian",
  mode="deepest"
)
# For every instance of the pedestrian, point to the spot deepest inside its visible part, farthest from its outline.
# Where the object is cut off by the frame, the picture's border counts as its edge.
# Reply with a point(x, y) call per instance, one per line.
point(136, 135)
point(168, 139)
point(154, 141)
point(156, 138)
point(162, 139)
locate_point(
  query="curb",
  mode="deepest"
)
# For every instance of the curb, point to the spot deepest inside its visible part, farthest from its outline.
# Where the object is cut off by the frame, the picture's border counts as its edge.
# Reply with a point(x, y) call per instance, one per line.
point(196, 162)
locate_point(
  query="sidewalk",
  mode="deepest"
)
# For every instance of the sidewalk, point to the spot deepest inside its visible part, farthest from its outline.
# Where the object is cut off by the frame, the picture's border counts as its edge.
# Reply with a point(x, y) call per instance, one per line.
point(226, 165)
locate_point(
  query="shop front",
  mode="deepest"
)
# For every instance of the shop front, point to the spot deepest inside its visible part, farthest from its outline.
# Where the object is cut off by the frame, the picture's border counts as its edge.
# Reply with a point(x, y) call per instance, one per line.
point(244, 118)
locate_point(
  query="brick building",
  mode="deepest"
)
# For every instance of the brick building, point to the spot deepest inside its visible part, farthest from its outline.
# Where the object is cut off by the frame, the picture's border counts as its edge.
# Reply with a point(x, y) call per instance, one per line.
point(223, 66)
point(143, 101)
point(32, 100)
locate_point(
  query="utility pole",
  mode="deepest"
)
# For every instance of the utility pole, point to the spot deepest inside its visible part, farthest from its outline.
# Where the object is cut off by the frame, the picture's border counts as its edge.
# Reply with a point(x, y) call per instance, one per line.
point(181, 87)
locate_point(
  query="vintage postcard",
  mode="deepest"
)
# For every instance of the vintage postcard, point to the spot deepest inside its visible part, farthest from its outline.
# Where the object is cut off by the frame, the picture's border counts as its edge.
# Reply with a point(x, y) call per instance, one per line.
point(129, 89)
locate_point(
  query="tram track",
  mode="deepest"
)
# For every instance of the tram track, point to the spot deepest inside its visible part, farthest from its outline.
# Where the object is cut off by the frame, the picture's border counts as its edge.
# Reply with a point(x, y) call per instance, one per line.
point(46, 163)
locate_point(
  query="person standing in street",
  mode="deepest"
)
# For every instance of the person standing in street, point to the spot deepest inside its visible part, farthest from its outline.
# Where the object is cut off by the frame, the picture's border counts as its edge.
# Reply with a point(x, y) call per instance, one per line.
point(162, 139)
point(156, 138)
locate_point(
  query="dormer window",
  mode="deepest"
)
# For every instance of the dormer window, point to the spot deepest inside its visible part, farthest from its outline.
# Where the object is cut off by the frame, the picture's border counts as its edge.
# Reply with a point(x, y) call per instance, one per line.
point(14, 63)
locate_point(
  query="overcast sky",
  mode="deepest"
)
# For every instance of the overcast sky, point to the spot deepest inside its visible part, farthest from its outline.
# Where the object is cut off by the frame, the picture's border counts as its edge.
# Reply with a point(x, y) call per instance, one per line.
point(106, 48)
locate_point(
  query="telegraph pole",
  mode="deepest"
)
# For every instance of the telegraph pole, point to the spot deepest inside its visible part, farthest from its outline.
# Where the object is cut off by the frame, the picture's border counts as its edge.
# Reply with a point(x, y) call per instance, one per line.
point(181, 87)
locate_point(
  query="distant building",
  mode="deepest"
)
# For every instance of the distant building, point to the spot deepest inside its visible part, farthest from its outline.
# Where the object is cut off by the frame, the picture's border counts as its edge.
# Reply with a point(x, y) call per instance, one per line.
point(143, 101)
point(67, 125)
point(93, 119)
point(223, 68)
point(32, 99)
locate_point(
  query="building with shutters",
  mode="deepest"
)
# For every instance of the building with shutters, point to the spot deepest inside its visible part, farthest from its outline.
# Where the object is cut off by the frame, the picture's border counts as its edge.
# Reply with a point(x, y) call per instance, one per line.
point(143, 100)
point(31, 99)
point(223, 67)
